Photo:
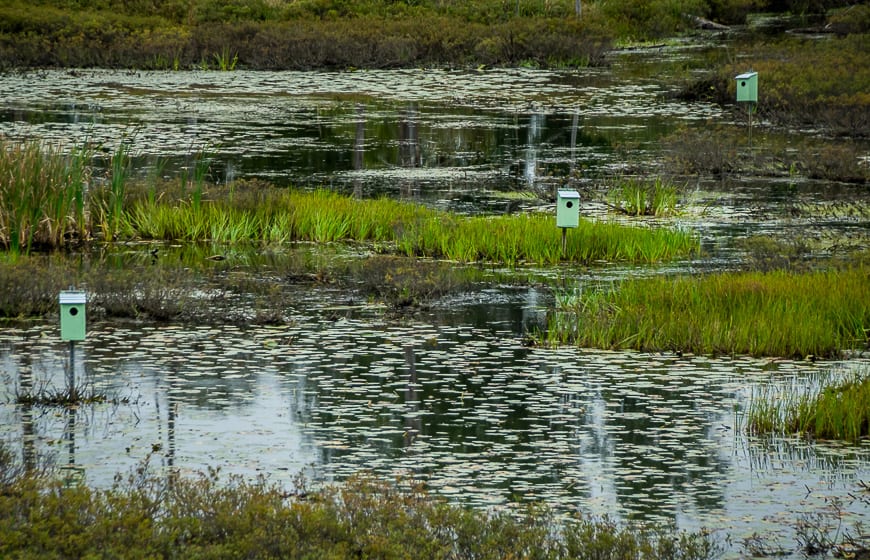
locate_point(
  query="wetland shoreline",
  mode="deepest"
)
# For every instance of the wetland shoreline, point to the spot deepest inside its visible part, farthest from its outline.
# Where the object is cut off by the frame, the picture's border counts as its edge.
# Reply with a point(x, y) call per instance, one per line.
point(312, 355)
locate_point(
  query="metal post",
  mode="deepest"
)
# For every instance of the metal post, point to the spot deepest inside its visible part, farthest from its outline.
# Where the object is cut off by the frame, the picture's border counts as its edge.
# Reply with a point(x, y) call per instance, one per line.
point(564, 241)
point(750, 124)
point(71, 375)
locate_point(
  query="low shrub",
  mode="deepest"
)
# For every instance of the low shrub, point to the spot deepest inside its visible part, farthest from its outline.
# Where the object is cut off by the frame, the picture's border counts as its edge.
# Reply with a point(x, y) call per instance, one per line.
point(207, 516)
point(708, 152)
point(29, 286)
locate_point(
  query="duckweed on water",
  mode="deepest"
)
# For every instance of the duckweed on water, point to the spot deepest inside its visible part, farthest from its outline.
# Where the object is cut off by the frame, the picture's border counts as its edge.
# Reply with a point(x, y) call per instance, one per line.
point(761, 314)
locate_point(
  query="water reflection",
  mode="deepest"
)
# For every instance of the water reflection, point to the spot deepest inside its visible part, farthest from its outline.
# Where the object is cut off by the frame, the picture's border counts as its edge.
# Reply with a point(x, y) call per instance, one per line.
point(394, 132)
point(470, 411)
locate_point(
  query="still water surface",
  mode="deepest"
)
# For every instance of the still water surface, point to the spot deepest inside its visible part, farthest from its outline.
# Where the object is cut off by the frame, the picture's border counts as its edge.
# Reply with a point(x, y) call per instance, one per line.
point(366, 131)
point(473, 412)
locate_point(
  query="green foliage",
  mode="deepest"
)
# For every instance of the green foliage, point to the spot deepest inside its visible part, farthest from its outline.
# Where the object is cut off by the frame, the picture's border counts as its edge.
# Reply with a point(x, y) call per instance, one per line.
point(828, 409)
point(368, 33)
point(644, 19)
point(208, 517)
point(762, 314)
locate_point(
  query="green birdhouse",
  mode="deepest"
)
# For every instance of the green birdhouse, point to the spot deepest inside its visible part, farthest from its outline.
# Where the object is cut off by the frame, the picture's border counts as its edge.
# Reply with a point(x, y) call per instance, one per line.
point(747, 87)
point(567, 209)
point(72, 315)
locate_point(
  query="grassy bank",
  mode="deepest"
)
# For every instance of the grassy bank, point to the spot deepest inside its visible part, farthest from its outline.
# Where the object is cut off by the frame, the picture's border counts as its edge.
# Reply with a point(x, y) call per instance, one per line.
point(45, 207)
point(209, 517)
point(253, 34)
point(324, 216)
point(829, 410)
point(761, 314)
point(804, 81)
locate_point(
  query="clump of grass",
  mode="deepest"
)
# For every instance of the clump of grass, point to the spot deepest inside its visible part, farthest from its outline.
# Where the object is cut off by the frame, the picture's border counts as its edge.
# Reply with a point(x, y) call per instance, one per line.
point(226, 62)
point(68, 396)
point(209, 516)
point(637, 197)
point(828, 409)
point(762, 314)
point(41, 195)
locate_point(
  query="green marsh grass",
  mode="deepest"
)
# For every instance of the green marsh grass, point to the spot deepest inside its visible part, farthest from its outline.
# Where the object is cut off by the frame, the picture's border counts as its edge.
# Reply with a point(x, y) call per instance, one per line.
point(829, 408)
point(44, 204)
point(762, 314)
point(226, 62)
point(42, 195)
point(324, 216)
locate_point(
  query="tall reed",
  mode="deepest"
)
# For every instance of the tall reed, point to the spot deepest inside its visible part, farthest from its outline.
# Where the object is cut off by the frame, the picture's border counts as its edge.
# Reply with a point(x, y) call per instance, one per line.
point(828, 409)
point(42, 195)
point(762, 314)
point(119, 172)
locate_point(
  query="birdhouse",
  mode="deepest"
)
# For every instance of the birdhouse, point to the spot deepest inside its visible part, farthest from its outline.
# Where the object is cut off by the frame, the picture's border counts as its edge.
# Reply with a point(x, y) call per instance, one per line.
point(567, 209)
point(747, 87)
point(72, 315)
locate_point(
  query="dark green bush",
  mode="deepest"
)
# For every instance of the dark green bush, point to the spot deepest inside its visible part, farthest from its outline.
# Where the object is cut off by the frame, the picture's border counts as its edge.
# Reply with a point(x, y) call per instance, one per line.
point(300, 35)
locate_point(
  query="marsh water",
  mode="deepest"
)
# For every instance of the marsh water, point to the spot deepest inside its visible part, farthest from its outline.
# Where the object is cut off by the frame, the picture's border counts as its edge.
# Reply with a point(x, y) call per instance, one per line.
point(452, 396)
